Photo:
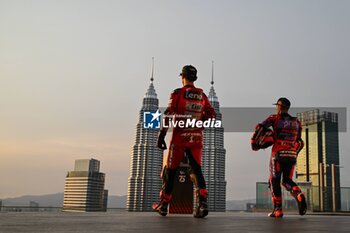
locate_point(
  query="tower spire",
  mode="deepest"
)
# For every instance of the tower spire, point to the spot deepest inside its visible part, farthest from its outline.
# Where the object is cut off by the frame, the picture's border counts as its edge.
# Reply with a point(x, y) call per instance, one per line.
point(212, 73)
point(152, 70)
point(212, 95)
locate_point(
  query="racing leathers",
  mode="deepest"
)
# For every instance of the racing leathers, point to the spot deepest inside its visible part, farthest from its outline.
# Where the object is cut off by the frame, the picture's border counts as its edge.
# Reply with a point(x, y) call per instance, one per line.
point(186, 104)
point(286, 146)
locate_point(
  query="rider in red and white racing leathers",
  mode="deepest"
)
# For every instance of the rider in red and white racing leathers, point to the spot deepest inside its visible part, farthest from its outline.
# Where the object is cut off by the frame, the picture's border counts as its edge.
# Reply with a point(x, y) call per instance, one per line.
point(285, 138)
point(185, 104)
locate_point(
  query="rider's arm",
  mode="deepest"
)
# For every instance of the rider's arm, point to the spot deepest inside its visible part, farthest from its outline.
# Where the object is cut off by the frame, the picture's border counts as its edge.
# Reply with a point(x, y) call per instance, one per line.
point(300, 142)
point(171, 109)
point(268, 122)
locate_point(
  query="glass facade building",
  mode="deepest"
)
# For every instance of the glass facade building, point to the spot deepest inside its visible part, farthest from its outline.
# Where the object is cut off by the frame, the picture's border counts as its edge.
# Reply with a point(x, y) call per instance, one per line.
point(321, 150)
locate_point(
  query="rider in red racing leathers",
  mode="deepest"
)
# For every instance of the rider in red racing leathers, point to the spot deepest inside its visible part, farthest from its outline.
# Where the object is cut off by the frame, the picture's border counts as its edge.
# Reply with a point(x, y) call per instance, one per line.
point(285, 137)
point(188, 103)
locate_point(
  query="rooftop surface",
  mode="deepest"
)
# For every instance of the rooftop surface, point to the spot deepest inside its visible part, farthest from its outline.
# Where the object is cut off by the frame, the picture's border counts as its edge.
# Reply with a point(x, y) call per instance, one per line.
point(123, 221)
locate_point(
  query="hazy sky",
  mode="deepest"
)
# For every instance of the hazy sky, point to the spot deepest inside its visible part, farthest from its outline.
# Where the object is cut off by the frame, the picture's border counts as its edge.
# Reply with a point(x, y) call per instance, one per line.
point(73, 75)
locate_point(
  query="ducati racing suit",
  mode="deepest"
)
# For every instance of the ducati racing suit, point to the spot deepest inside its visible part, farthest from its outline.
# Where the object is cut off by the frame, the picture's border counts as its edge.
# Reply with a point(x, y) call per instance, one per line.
point(287, 144)
point(187, 102)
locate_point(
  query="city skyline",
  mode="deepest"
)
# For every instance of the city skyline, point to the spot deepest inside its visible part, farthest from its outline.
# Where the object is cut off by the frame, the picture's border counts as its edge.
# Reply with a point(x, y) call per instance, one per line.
point(72, 75)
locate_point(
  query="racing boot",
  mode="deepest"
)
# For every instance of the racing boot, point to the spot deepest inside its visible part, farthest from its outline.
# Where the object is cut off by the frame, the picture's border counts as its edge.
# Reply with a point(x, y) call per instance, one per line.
point(162, 206)
point(277, 210)
point(202, 208)
point(300, 198)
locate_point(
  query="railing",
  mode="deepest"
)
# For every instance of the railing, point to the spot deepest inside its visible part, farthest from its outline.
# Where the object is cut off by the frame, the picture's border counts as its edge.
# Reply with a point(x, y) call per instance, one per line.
point(29, 209)
point(326, 199)
point(44, 209)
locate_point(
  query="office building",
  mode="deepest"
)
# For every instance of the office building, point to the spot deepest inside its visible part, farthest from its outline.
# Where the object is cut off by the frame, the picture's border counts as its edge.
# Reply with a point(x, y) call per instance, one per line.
point(84, 188)
point(318, 162)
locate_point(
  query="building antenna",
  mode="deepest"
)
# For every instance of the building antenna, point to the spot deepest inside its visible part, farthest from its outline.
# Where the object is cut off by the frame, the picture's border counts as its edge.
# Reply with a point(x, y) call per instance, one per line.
point(212, 73)
point(152, 70)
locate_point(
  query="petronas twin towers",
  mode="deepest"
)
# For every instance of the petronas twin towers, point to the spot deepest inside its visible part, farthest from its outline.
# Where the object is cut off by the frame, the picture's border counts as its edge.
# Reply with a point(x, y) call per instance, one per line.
point(147, 160)
point(214, 158)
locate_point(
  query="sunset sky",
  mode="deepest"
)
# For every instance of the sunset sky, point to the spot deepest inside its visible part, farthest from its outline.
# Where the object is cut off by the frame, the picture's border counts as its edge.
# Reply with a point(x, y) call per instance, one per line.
point(73, 75)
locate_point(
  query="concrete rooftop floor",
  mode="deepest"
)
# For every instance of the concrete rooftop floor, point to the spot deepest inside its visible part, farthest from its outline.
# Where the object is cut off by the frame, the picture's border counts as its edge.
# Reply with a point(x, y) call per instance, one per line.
point(123, 221)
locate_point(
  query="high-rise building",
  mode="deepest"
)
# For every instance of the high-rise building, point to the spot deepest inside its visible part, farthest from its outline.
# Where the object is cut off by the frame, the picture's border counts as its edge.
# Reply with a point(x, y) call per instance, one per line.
point(214, 158)
point(105, 200)
point(146, 160)
point(33, 206)
point(84, 187)
point(321, 138)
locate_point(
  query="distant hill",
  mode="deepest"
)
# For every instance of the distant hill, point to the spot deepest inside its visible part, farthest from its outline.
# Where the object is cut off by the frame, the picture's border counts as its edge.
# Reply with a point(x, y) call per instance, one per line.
point(53, 200)
point(56, 200)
